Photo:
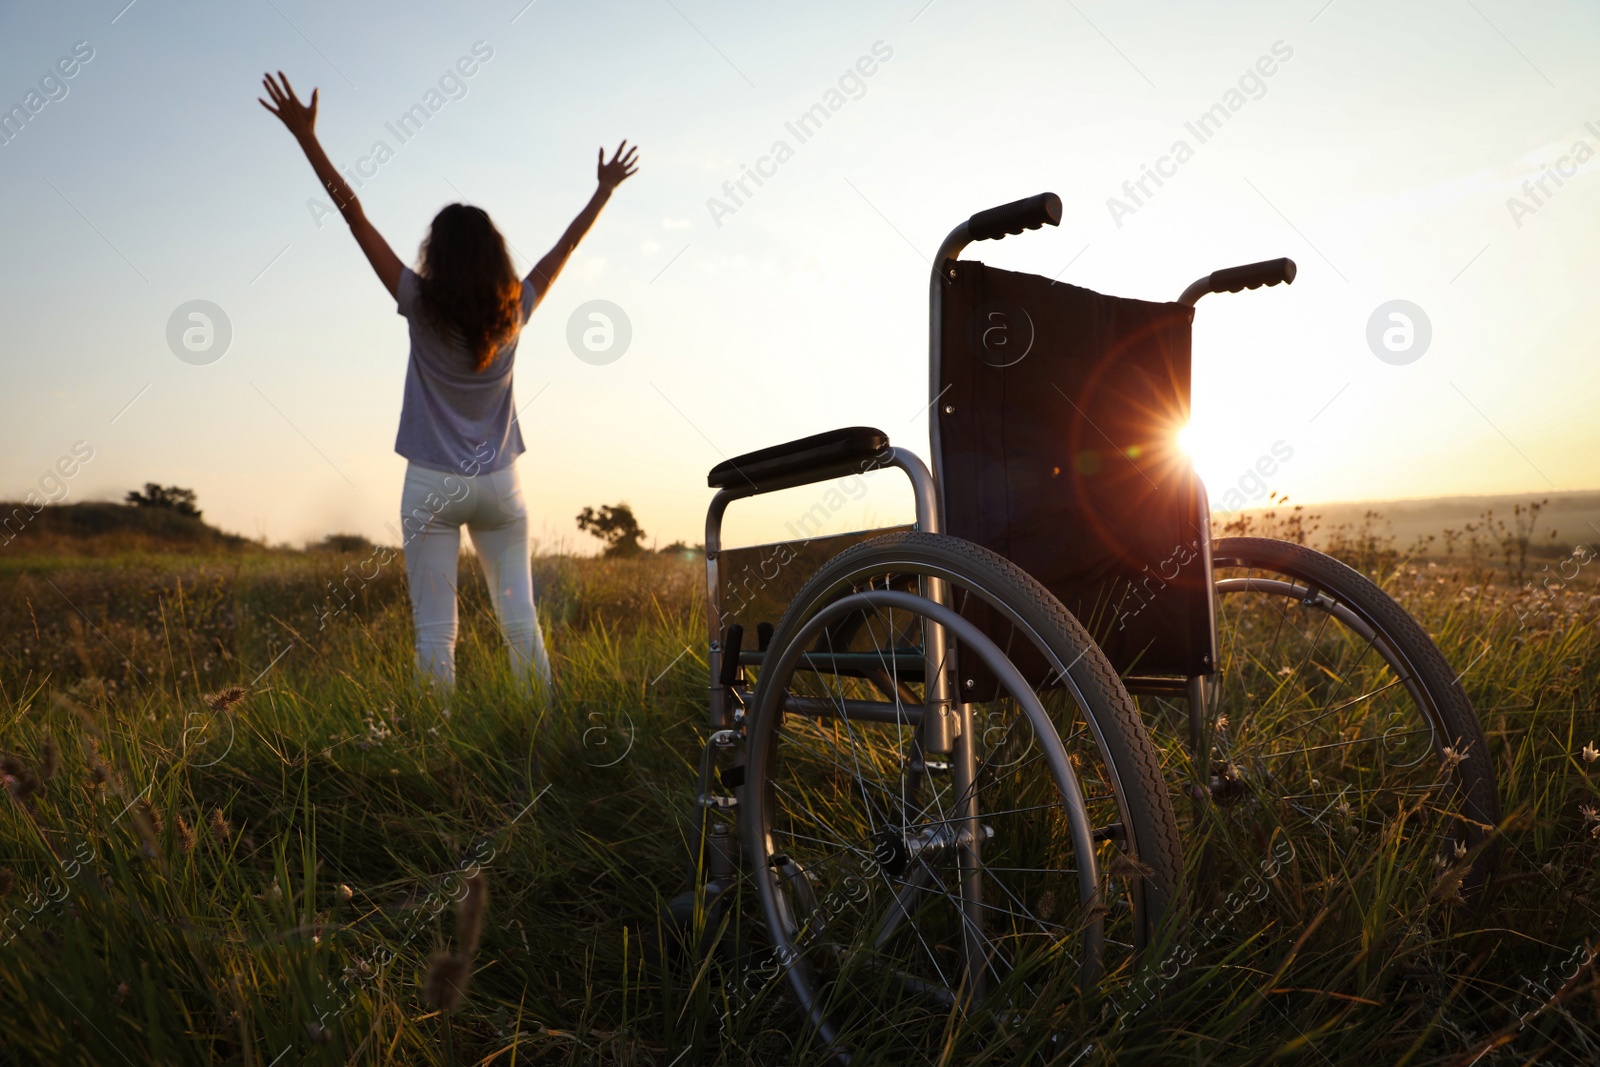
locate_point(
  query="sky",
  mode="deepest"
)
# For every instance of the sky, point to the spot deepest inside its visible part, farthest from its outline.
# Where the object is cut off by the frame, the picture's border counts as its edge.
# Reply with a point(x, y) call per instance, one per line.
point(1397, 152)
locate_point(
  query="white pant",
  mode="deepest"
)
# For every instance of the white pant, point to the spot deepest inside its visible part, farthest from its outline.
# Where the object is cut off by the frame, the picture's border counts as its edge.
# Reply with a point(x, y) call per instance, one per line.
point(433, 507)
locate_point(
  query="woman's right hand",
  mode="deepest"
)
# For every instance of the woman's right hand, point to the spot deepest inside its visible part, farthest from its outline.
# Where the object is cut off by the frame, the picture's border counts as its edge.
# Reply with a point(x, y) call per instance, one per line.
point(301, 119)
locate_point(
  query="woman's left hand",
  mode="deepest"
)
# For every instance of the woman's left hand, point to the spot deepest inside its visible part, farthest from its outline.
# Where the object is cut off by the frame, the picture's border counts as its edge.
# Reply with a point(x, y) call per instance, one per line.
point(301, 119)
point(620, 169)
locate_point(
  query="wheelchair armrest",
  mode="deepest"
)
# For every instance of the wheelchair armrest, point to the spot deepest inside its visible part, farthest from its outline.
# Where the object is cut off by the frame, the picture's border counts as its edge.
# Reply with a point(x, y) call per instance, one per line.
point(849, 450)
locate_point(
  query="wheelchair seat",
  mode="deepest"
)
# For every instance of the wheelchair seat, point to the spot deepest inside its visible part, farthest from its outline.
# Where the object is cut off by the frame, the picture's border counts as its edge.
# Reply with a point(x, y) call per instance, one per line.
point(848, 450)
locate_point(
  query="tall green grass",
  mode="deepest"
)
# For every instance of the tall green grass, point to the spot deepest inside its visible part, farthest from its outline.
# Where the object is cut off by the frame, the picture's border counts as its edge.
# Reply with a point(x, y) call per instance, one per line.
point(269, 883)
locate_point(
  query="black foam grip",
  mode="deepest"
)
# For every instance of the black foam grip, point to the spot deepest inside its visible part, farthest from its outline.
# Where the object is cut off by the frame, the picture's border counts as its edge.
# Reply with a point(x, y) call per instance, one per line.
point(1019, 215)
point(763, 635)
point(1253, 275)
point(730, 654)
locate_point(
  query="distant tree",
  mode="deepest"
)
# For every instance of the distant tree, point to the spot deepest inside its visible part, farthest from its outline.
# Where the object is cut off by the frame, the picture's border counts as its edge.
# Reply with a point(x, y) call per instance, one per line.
point(171, 497)
point(343, 542)
point(615, 525)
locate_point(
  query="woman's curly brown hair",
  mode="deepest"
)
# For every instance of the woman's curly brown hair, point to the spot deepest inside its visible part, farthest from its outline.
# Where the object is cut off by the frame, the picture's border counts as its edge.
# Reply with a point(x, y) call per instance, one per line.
point(468, 287)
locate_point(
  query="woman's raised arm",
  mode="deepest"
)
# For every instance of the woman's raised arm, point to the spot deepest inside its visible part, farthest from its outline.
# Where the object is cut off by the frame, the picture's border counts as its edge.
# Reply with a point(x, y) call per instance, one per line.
point(622, 166)
point(301, 121)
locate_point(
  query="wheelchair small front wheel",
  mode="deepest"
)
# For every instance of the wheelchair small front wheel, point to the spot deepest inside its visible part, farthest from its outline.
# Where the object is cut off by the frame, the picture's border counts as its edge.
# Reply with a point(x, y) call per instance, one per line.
point(905, 890)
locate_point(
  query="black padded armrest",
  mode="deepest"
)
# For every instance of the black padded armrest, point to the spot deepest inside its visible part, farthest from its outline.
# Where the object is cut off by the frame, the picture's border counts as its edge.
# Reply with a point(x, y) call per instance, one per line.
point(822, 455)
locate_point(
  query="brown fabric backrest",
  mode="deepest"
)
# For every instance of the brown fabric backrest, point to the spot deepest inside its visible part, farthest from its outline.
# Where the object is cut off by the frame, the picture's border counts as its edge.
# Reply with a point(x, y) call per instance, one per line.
point(1057, 440)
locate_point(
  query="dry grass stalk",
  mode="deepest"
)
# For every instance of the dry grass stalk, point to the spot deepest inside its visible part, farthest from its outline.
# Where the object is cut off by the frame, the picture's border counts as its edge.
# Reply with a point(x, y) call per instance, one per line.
point(469, 915)
point(152, 813)
point(25, 782)
point(49, 757)
point(445, 984)
point(227, 698)
point(185, 832)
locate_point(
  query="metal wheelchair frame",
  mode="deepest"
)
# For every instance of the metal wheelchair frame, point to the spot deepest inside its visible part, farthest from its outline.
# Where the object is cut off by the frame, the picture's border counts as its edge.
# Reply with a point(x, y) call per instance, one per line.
point(941, 715)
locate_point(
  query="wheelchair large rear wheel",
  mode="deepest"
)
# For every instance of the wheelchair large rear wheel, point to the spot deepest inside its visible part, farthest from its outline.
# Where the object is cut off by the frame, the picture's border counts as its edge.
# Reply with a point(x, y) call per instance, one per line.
point(1339, 729)
point(907, 891)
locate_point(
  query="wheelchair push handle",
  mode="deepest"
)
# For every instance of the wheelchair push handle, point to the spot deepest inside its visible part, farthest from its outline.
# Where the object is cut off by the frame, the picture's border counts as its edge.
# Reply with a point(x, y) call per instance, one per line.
point(1249, 276)
point(1029, 213)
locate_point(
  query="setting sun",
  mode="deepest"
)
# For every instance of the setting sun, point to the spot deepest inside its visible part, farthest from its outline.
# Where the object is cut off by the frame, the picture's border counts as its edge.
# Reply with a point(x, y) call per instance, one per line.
point(1214, 448)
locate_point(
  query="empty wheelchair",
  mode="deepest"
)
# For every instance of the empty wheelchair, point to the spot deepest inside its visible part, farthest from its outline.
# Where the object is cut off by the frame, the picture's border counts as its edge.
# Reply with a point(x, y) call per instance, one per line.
point(925, 751)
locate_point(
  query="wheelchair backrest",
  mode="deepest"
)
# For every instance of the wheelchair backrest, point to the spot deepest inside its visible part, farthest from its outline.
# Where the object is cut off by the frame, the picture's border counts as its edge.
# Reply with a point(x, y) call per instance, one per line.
point(1055, 445)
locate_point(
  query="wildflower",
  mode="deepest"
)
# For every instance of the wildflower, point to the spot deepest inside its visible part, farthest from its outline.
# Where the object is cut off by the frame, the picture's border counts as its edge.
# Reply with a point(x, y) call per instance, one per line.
point(1590, 753)
point(344, 893)
point(1589, 813)
point(1461, 850)
point(1285, 671)
point(1452, 757)
point(1343, 808)
point(274, 891)
point(1222, 722)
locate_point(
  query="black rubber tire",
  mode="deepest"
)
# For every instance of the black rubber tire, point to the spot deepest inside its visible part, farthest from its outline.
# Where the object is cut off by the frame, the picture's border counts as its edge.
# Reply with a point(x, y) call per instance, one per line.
point(1455, 718)
point(675, 925)
point(1150, 833)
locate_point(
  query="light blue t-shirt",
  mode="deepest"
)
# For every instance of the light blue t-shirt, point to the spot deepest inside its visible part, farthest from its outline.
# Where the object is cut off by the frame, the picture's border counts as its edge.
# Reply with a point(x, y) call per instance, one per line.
point(454, 418)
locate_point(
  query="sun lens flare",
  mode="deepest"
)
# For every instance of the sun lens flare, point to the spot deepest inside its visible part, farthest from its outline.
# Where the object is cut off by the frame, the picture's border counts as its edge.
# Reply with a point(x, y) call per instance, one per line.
point(1186, 436)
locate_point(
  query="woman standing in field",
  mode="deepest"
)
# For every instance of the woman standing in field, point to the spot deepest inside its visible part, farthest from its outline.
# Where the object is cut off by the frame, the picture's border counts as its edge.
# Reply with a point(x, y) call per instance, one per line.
point(458, 427)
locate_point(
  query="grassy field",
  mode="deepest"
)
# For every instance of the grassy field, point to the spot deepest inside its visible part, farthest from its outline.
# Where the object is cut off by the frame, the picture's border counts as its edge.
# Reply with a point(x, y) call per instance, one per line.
point(269, 875)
